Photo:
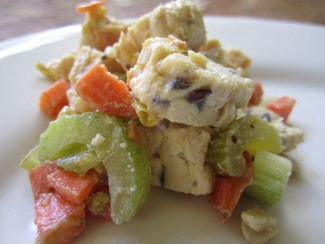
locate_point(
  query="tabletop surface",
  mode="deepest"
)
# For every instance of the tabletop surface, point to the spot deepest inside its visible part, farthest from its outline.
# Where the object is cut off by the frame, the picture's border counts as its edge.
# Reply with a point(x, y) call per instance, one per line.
point(21, 17)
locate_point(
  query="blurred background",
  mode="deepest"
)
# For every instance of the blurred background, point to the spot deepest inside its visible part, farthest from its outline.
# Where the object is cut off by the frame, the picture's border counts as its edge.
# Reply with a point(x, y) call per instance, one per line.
point(21, 17)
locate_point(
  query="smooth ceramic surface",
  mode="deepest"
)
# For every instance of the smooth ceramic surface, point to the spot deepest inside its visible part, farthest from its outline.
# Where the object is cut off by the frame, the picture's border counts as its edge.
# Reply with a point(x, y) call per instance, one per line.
point(288, 58)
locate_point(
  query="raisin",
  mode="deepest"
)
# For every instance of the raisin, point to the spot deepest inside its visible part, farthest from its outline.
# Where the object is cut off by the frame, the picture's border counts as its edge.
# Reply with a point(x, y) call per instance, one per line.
point(198, 95)
point(162, 175)
point(234, 139)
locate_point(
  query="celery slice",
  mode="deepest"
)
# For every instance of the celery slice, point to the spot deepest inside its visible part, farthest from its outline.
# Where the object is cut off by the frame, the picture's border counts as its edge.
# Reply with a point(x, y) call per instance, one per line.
point(271, 173)
point(79, 163)
point(126, 163)
point(249, 133)
point(145, 118)
point(30, 160)
point(128, 174)
point(73, 134)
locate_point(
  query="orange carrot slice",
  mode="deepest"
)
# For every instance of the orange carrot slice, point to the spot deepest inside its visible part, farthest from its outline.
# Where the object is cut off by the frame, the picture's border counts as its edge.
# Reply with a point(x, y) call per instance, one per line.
point(282, 106)
point(134, 133)
point(71, 186)
point(90, 7)
point(257, 94)
point(54, 99)
point(58, 220)
point(104, 92)
point(227, 190)
point(38, 178)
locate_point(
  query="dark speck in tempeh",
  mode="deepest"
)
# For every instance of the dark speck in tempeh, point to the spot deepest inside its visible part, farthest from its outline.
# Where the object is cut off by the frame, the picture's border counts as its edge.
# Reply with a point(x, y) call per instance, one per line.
point(160, 101)
point(266, 116)
point(162, 175)
point(233, 72)
point(178, 83)
point(200, 104)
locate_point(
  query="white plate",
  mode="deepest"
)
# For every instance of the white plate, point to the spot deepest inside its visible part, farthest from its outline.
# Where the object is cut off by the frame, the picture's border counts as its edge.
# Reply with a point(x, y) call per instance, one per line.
point(288, 58)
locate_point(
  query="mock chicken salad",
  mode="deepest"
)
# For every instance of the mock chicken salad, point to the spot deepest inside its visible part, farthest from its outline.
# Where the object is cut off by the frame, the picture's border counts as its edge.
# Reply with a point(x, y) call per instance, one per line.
point(154, 103)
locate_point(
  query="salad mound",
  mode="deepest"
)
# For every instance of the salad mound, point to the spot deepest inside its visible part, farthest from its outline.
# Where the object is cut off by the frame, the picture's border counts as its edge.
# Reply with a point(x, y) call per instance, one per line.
point(154, 102)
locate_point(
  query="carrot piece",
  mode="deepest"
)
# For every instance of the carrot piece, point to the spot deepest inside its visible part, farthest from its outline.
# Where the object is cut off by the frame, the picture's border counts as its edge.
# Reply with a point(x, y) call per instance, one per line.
point(282, 106)
point(104, 92)
point(228, 189)
point(38, 178)
point(54, 98)
point(134, 133)
point(257, 94)
point(71, 186)
point(58, 220)
point(90, 7)
point(93, 10)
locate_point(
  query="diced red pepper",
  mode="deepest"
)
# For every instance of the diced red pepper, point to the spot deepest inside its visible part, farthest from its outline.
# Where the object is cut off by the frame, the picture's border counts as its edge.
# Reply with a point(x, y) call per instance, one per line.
point(227, 190)
point(282, 106)
point(71, 186)
point(58, 220)
point(38, 178)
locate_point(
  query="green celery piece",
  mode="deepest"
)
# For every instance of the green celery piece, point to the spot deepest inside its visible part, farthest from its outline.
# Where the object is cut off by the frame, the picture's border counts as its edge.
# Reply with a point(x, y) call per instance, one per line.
point(249, 133)
point(145, 118)
point(72, 134)
point(79, 163)
point(271, 173)
point(46, 71)
point(127, 165)
point(30, 160)
point(128, 174)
